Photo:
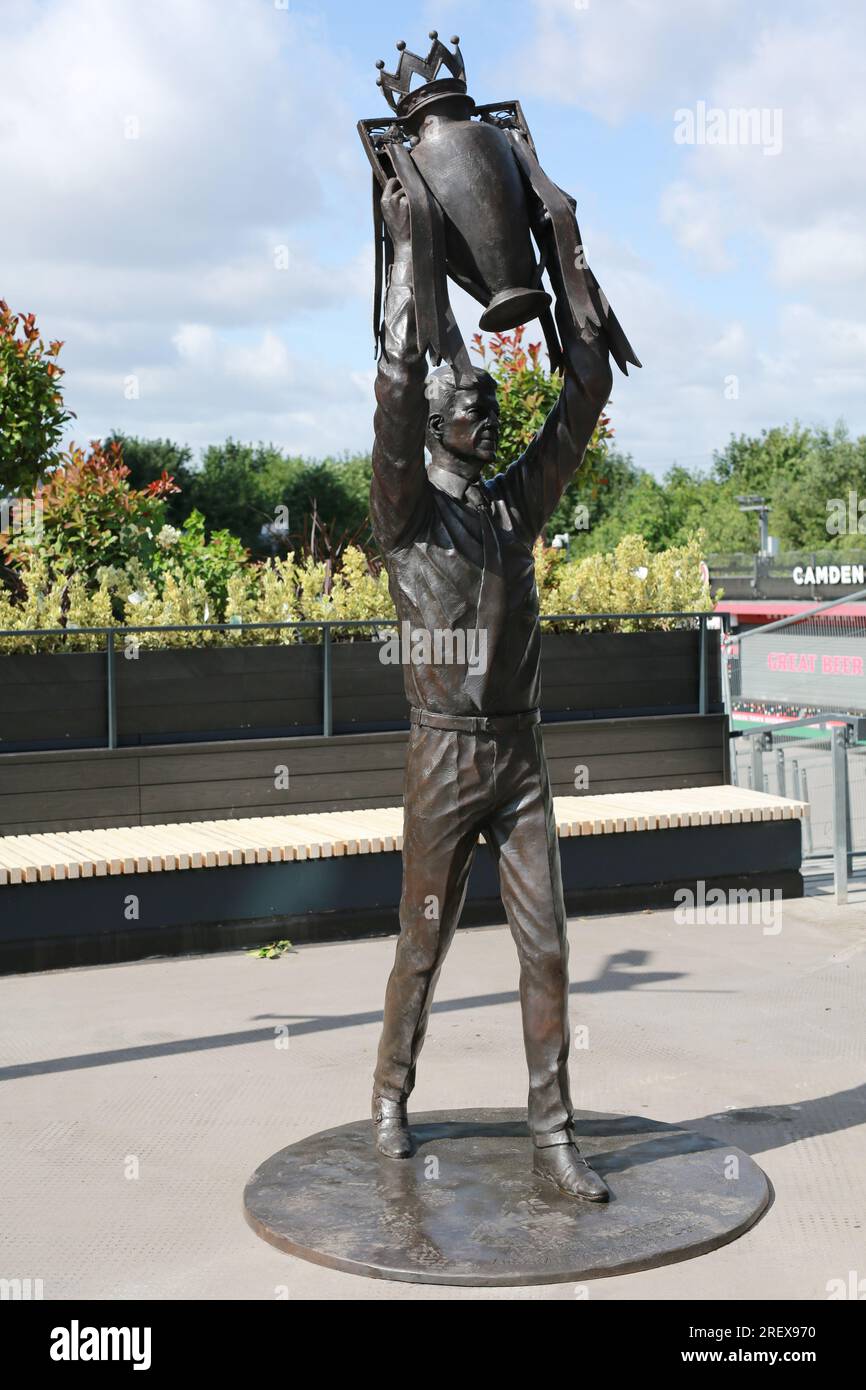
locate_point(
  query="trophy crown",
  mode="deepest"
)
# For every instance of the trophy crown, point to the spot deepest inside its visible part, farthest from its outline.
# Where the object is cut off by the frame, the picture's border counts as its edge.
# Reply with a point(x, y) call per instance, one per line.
point(396, 85)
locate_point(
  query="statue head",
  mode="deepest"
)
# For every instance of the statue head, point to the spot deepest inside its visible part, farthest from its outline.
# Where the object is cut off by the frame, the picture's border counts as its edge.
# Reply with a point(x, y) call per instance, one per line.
point(462, 422)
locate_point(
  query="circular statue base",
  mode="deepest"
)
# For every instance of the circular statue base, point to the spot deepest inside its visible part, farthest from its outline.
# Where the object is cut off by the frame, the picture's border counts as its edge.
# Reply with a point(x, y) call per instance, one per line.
point(466, 1208)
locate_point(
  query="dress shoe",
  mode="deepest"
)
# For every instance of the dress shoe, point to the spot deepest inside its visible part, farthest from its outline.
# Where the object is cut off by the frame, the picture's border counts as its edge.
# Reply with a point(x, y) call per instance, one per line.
point(391, 1128)
point(563, 1165)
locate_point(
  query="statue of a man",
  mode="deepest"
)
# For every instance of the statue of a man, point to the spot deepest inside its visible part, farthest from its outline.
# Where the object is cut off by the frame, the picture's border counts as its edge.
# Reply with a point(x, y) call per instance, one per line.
point(458, 550)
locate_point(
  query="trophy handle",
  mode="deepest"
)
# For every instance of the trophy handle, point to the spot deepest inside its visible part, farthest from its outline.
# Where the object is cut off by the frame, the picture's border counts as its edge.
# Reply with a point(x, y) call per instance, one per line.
point(571, 277)
point(376, 136)
point(387, 146)
point(507, 115)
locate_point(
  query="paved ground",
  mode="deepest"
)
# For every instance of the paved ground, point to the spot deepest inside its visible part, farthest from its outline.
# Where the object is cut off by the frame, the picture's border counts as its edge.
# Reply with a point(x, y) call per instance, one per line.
point(170, 1069)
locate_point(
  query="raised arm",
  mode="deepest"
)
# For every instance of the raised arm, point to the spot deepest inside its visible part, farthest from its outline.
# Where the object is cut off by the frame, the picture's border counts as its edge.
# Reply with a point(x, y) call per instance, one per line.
point(399, 489)
point(535, 482)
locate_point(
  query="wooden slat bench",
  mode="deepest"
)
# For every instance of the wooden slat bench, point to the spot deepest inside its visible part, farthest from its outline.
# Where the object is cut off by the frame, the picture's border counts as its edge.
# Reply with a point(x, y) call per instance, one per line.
point(84, 896)
point(281, 839)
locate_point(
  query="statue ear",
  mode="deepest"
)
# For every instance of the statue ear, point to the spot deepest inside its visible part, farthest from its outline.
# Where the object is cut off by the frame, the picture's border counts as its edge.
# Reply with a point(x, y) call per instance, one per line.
point(434, 425)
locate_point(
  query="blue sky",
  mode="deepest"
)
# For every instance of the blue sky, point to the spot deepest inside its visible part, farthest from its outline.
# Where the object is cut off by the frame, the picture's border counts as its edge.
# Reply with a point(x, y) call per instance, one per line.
point(160, 159)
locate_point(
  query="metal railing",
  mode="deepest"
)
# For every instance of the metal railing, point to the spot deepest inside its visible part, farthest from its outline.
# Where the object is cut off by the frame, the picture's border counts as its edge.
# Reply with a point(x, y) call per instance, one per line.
point(756, 567)
point(837, 803)
point(327, 628)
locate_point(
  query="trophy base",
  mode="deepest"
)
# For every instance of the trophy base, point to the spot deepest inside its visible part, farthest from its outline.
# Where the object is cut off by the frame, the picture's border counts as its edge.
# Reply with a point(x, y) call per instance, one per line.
point(466, 1209)
point(511, 308)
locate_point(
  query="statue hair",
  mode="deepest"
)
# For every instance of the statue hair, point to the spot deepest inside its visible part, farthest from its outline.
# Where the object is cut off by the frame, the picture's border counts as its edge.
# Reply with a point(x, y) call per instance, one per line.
point(441, 386)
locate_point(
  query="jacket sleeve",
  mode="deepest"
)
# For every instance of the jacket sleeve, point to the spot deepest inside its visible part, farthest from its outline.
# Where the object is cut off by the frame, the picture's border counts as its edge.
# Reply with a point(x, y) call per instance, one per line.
point(535, 482)
point(399, 493)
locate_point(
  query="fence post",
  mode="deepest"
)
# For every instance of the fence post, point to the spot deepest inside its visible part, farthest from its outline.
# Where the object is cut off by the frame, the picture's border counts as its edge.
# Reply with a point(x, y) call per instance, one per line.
point(702, 663)
point(724, 668)
point(111, 689)
point(849, 833)
point(807, 825)
point(840, 815)
point(327, 680)
point(757, 762)
point(780, 772)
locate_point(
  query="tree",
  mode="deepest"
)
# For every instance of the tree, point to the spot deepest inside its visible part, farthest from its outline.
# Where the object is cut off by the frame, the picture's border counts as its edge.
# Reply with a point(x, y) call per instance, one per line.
point(32, 413)
point(246, 488)
point(89, 516)
point(799, 470)
point(149, 459)
point(805, 511)
point(760, 463)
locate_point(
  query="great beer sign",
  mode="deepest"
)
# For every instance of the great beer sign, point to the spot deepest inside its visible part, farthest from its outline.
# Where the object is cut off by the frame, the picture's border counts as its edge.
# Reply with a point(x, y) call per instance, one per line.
point(838, 665)
point(827, 671)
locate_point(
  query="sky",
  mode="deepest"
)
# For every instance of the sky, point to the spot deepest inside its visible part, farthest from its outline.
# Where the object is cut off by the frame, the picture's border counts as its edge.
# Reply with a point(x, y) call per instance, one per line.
point(186, 203)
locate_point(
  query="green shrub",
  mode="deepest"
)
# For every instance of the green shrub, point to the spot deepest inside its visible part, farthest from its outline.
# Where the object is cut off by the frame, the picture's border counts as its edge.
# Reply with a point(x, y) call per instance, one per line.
point(630, 579)
point(89, 516)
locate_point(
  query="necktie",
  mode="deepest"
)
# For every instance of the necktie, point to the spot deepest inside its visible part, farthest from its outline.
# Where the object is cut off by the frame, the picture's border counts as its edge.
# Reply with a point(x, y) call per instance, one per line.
point(477, 497)
point(490, 613)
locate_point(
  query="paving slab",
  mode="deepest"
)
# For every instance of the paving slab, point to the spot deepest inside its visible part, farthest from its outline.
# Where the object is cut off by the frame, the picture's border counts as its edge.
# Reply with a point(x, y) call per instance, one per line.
point(138, 1099)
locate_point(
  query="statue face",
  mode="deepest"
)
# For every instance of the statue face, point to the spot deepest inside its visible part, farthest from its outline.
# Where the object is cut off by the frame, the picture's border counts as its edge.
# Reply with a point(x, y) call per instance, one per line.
point(469, 424)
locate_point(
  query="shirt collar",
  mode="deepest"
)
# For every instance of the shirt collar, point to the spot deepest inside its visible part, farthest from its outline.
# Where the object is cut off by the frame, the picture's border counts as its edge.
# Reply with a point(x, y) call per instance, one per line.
point(448, 482)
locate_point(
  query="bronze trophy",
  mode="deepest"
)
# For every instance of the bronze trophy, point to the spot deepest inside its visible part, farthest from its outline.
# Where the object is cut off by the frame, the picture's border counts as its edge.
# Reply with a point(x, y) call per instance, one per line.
point(477, 198)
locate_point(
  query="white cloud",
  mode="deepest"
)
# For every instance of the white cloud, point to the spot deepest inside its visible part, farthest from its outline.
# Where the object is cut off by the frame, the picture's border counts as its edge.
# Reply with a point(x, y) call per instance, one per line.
point(214, 100)
point(681, 406)
point(790, 226)
point(169, 185)
point(196, 343)
point(807, 205)
point(698, 223)
point(214, 386)
point(829, 252)
point(613, 59)
point(160, 256)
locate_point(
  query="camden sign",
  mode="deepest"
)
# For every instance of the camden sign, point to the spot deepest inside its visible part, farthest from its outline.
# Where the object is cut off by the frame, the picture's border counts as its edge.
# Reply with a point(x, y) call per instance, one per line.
point(815, 575)
point(804, 669)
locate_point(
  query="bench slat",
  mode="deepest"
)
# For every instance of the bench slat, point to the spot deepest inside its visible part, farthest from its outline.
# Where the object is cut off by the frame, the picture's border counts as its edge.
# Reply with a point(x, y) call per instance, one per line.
point(72, 854)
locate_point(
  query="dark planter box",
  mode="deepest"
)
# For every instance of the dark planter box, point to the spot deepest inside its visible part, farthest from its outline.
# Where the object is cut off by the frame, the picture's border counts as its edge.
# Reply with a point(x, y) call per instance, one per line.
point(151, 784)
point(60, 699)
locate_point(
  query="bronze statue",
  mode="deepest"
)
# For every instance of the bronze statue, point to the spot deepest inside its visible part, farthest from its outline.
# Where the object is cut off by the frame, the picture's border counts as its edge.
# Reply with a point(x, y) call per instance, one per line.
point(458, 550)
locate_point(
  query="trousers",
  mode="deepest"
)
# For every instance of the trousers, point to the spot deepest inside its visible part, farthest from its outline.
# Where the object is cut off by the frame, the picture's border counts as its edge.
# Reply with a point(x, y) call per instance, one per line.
point(460, 785)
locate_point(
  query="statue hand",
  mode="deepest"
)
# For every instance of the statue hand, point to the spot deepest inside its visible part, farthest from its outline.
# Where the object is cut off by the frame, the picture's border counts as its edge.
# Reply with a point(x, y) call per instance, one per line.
point(395, 211)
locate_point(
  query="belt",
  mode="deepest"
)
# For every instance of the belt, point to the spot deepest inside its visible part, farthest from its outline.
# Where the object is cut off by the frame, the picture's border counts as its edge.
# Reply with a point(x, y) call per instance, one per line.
point(475, 723)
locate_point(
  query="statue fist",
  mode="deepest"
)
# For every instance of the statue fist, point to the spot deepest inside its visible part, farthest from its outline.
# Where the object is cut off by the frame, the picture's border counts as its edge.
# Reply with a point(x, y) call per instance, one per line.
point(395, 211)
